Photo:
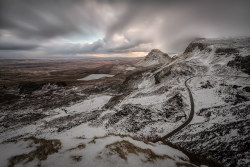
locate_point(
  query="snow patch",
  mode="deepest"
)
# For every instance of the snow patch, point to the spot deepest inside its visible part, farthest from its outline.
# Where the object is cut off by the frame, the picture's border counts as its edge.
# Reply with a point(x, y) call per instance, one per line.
point(94, 76)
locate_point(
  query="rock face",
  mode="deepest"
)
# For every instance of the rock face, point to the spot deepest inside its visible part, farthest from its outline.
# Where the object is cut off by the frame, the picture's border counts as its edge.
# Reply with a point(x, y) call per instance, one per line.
point(242, 63)
point(154, 57)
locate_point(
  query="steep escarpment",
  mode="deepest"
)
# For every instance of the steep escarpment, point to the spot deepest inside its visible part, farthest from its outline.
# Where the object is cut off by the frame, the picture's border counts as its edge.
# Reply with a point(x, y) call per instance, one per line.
point(155, 57)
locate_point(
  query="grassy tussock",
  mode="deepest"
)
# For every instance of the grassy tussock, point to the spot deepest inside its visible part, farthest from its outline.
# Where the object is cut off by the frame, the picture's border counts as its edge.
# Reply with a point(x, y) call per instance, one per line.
point(123, 148)
point(43, 149)
point(93, 141)
point(76, 158)
point(79, 147)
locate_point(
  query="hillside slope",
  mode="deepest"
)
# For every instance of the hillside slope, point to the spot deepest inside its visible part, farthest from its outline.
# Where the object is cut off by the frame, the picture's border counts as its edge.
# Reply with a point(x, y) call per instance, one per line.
point(221, 93)
point(154, 57)
point(107, 151)
point(151, 103)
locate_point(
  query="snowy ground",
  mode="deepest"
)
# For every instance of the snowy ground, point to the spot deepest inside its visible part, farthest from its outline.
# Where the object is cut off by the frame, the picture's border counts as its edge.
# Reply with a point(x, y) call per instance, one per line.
point(220, 127)
point(94, 76)
point(104, 150)
point(130, 68)
point(148, 105)
point(82, 145)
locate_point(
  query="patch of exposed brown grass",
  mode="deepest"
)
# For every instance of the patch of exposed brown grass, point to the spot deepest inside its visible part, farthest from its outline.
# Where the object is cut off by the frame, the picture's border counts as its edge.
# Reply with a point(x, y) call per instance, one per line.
point(93, 141)
point(43, 149)
point(79, 147)
point(132, 137)
point(80, 137)
point(123, 148)
point(76, 157)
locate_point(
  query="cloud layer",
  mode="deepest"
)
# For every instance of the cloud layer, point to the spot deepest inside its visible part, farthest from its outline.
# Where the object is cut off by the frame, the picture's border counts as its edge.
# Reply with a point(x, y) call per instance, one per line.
point(78, 27)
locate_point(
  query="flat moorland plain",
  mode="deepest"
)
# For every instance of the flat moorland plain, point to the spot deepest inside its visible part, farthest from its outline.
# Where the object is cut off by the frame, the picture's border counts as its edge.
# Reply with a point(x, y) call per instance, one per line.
point(13, 72)
point(26, 76)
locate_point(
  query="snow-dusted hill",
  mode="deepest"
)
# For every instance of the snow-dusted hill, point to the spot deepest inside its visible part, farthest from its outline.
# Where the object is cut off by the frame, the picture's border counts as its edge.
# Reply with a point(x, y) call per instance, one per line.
point(110, 150)
point(154, 57)
point(151, 103)
point(220, 127)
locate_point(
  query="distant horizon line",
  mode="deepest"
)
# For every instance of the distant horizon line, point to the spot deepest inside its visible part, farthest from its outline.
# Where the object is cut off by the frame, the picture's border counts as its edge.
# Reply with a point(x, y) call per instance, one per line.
point(70, 58)
point(82, 57)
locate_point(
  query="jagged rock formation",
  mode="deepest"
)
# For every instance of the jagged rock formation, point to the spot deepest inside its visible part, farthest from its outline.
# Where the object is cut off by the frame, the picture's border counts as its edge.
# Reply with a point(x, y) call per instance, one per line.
point(154, 57)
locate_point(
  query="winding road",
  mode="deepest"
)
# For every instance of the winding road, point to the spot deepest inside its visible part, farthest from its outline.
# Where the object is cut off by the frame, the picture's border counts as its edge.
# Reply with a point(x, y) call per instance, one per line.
point(191, 115)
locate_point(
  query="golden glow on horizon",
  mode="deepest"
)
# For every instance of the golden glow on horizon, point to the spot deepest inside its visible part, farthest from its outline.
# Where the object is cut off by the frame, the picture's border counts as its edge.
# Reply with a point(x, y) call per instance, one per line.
point(129, 54)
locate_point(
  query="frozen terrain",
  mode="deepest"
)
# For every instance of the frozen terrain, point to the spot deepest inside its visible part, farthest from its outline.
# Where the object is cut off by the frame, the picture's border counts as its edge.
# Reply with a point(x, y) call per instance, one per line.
point(220, 127)
point(94, 76)
point(151, 103)
point(130, 68)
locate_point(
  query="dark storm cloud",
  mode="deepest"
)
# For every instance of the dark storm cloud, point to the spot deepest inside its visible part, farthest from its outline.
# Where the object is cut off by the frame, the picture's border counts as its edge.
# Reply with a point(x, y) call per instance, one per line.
point(124, 25)
point(98, 47)
point(47, 19)
point(8, 46)
point(185, 20)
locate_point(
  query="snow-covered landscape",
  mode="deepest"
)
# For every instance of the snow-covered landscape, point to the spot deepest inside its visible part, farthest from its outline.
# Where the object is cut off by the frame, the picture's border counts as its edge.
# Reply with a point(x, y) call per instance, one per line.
point(124, 83)
point(124, 126)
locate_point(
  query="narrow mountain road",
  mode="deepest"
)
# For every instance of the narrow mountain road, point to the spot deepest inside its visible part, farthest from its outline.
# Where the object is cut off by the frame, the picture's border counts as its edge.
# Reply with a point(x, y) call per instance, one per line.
point(191, 115)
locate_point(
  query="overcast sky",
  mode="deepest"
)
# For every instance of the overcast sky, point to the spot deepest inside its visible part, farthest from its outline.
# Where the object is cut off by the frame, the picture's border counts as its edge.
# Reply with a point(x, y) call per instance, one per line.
point(68, 28)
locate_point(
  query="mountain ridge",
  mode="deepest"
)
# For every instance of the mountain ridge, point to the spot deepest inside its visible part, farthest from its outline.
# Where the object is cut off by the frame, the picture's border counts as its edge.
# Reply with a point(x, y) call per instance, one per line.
point(155, 57)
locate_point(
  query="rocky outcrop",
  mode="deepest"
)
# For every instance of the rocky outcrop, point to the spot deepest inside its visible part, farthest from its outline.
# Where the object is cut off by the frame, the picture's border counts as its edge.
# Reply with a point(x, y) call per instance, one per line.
point(242, 63)
point(155, 57)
